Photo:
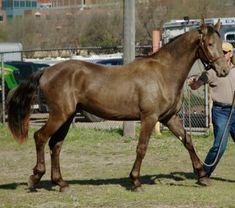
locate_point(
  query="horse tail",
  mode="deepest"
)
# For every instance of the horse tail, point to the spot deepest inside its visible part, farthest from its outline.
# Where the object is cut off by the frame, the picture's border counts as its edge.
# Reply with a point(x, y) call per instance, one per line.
point(19, 106)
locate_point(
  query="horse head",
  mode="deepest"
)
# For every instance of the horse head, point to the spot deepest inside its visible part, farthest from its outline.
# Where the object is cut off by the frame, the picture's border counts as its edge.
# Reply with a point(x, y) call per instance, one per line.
point(210, 49)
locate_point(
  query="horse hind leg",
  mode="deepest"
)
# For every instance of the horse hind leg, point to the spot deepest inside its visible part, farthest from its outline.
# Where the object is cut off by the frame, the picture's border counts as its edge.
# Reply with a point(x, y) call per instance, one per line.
point(41, 137)
point(55, 145)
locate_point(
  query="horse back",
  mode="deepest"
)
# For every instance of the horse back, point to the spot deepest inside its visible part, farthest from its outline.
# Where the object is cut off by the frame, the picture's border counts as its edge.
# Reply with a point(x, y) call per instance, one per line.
point(116, 92)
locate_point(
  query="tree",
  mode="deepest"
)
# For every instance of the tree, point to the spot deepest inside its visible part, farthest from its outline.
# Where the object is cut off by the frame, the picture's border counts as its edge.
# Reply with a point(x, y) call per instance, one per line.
point(103, 26)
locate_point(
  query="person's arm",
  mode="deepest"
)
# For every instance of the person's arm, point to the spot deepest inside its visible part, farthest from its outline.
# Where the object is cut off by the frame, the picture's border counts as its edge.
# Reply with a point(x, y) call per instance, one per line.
point(194, 83)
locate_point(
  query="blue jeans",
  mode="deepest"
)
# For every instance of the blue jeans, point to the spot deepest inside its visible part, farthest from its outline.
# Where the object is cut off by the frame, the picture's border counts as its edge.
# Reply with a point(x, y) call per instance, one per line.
point(220, 116)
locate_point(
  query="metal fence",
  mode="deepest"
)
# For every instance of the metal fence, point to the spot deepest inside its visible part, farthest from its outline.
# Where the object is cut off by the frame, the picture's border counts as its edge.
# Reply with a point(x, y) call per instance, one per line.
point(195, 112)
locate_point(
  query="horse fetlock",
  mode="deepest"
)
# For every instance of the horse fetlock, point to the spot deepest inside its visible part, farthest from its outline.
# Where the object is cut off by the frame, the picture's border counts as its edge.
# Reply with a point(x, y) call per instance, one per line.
point(199, 171)
point(39, 171)
point(64, 187)
point(58, 181)
point(134, 175)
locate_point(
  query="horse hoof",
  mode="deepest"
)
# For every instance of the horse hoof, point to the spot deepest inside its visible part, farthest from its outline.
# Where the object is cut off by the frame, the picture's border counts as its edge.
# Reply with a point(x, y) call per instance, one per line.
point(138, 189)
point(64, 189)
point(30, 183)
point(204, 181)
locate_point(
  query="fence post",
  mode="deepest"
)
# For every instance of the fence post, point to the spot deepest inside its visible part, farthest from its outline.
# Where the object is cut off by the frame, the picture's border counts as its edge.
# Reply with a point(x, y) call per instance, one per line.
point(3, 88)
point(129, 50)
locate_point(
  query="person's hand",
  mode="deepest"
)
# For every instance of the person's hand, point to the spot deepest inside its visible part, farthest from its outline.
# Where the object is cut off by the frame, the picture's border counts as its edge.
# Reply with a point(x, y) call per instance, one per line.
point(191, 81)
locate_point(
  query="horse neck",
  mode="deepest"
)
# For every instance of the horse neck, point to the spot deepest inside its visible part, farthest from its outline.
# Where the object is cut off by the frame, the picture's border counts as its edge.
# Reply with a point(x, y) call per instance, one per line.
point(180, 56)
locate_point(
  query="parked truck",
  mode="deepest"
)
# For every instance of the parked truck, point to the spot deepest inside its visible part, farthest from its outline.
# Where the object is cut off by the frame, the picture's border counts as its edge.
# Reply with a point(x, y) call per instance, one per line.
point(11, 51)
point(174, 28)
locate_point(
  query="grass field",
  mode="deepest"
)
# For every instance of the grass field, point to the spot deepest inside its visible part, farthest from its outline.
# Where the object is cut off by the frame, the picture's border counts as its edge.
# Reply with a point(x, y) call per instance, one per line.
point(96, 164)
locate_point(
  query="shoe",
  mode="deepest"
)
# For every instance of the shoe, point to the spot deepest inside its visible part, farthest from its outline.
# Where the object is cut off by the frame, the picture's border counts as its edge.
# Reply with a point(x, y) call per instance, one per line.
point(204, 181)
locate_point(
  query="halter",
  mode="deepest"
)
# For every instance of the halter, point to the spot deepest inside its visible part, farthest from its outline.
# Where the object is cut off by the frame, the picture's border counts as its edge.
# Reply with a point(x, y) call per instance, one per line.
point(210, 59)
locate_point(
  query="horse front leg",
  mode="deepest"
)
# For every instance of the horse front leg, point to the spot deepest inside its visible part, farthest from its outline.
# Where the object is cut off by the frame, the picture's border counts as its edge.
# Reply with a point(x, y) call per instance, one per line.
point(175, 125)
point(147, 125)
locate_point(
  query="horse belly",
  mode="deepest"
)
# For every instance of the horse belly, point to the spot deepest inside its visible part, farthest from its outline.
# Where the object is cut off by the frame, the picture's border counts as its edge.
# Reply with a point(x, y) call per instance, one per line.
point(112, 105)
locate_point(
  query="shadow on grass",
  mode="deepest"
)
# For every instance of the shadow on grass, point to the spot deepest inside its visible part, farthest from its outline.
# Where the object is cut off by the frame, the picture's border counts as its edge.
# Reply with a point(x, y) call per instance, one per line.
point(174, 178)
point(12, 186)
point(147, 179)
point(223, 179)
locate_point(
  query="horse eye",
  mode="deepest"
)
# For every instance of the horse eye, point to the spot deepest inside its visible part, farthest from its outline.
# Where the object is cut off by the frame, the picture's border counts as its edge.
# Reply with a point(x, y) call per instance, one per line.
point(210, 44)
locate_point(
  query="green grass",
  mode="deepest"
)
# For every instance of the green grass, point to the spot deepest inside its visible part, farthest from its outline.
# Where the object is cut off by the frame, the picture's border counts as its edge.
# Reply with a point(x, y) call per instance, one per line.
point(96, 164)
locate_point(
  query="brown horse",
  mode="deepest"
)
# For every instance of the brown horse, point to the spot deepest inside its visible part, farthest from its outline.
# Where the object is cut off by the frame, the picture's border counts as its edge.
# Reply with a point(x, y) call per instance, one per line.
point(148, 90)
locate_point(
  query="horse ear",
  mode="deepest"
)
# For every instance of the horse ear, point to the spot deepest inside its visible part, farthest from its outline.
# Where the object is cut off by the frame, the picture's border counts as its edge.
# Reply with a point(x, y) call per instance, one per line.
point(202, 21)
point(203, 29)
point(217, 25)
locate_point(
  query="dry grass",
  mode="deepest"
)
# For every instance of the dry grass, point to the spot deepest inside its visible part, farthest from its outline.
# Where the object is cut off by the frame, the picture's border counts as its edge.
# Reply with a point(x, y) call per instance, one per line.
point(96, 164)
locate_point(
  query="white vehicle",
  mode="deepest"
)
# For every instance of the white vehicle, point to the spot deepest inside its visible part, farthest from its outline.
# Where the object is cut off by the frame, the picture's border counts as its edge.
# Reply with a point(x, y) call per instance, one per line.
point(174, 28)
point(11, 51)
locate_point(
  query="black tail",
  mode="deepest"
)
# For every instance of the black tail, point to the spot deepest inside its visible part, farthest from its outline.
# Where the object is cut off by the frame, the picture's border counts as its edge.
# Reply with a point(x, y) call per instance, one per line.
point(19, 106)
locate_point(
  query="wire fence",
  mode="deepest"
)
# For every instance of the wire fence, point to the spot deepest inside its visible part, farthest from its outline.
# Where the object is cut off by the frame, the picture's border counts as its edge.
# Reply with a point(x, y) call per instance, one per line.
point(195, 112)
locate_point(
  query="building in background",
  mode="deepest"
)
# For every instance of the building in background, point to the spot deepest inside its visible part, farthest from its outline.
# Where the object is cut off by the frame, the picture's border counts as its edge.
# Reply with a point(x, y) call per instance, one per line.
point(69, 3)
point(15, 8)
point(44, 4)
point(63, 4)
point(2, 13)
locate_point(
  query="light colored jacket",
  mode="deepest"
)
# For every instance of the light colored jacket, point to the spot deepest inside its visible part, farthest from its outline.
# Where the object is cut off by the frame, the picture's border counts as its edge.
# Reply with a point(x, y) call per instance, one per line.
point(222, 88)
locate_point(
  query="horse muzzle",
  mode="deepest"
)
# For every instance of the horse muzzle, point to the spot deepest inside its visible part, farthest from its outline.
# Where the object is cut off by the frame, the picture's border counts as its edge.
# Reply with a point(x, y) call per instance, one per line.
point(222, 68)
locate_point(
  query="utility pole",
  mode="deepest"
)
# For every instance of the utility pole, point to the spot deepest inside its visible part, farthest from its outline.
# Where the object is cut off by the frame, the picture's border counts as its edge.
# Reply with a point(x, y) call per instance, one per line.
point(129, 50)
point(3, 89)
point(82, 4)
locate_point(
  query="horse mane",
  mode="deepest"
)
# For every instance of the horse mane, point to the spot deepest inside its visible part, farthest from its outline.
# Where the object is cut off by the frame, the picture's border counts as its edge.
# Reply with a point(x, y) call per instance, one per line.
point(174, 39)
point(166, 45)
